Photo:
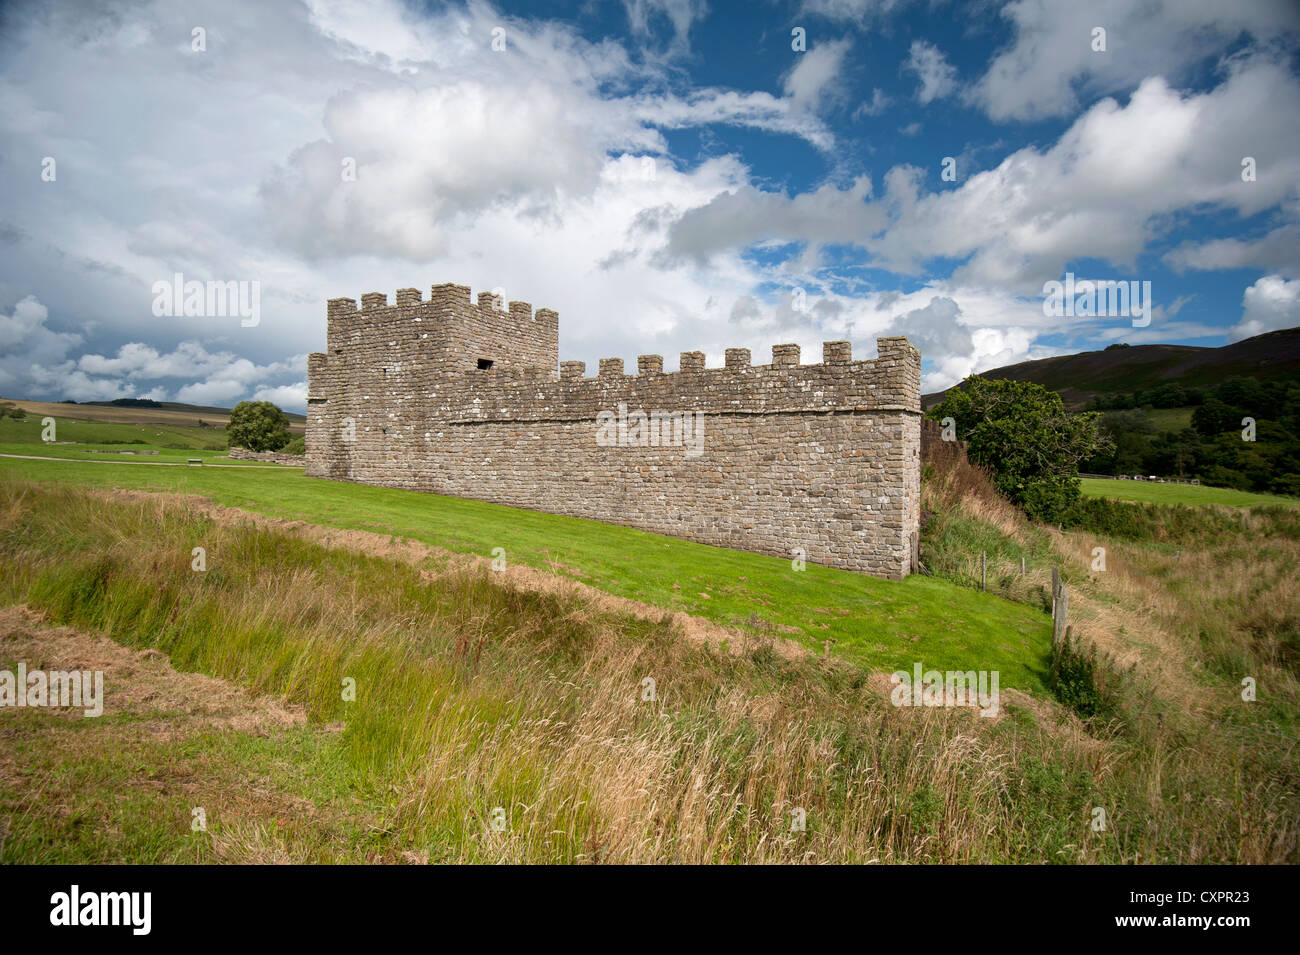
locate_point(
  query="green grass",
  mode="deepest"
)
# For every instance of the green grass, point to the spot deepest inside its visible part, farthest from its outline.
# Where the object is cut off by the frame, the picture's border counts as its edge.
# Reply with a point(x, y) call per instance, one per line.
point(1193, 494)
point(883, 625)
point(1171, 419)
point(116, 777)
point(471, 695)
point(84, 452)
point(103, 433)
point(474, 695)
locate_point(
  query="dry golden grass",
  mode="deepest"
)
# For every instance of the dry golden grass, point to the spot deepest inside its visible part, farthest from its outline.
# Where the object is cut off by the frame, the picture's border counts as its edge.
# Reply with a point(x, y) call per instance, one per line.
point(477, 696)
point(1178, 630)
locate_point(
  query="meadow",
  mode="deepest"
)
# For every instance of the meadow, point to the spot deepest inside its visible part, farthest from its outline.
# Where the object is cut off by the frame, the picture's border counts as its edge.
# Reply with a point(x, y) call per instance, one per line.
point(479, 698)
point(1194, 495)
point(881, 624)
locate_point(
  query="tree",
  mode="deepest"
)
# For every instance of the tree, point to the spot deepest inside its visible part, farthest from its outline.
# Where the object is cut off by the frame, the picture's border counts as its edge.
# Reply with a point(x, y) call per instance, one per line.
point(1130, 432)
point(1215, 417)
point(258, 426)
point(1023, 434)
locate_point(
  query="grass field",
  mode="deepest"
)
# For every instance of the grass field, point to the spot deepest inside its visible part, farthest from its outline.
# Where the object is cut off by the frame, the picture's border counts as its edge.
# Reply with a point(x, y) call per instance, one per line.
point(111, 434)
point(125, 454)
point(472, 697)
point(1171, 419)
point(1193, 494)
point(109, 426)
point(477, 695)
point(881, 624)
point(170, 415)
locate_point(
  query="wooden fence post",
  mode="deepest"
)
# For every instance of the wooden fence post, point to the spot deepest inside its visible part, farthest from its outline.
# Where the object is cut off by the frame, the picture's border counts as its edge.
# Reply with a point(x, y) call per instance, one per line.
point(1060, 608)
point(984, 577)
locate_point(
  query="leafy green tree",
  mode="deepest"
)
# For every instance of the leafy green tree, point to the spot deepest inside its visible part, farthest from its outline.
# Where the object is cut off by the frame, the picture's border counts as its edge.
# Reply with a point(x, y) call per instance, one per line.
point(1022, 433)
point(1130, 431)
point(1172, 453)
point(1215, 416)
point(258, 426)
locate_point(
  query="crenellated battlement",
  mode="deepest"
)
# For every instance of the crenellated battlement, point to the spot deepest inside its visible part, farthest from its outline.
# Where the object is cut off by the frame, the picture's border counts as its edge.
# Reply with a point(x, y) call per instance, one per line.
point(446, 296)
point(879, 384)
point(465, 395)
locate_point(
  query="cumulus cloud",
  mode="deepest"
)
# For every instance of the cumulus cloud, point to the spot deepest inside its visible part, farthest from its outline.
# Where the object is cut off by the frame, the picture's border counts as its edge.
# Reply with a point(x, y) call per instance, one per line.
point(1089, 195)
point(1093, 195)
point(938, 77)
point(525, 134)
point(1051, 60)
point(548, 168)
point(817, 75)
point(1278, 251)
point(292, 397)
point(36, 363)
point(28, 348)
point(1270, 304)
point(748, 215)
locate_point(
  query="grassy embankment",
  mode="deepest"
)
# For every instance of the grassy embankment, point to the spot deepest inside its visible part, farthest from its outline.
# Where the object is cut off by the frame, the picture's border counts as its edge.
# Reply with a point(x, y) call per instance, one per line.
point(1184, 604)
point(881, 624)
point(471, 696)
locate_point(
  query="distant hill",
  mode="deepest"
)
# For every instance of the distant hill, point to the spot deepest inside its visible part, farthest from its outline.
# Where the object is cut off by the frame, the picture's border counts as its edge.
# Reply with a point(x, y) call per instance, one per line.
point(157, 414)
point(1126, 368)
point(145, 403)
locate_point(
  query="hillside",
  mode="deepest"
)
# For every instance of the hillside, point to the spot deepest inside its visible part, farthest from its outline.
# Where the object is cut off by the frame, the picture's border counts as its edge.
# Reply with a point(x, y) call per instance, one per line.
point(1080, 377)
point(169, 415)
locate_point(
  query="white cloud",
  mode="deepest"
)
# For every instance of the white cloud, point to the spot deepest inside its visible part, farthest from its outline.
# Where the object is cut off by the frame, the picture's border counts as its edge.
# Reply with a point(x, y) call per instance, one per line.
point(680, 14)
point(524, 168)
point(1277, 251)
point(1270, 304)
point(28, 347)
point(1052, 60)
point(860, 12)
point(290, 397)
point(818, 75)
point(938, 77)
point(937, 330)
point(878, 103)
point(1093, 194)
point(747, 215)
point(35, 363)
point(377, 29)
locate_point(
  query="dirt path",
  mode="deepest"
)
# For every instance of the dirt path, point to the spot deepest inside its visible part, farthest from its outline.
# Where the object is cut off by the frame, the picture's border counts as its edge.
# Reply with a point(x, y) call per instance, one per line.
point(140, 682)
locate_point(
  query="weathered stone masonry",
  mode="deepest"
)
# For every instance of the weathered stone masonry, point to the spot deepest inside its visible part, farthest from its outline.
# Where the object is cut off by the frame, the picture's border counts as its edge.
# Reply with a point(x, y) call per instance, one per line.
point(462, 398)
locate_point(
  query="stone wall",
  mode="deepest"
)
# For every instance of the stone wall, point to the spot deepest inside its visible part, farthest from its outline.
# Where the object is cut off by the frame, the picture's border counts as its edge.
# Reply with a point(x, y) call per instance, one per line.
point(824, 458)
point(275, 457)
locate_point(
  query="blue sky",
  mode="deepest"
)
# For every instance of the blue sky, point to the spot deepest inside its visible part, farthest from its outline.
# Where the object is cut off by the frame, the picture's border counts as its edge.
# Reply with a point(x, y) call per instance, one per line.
point(668, 175)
